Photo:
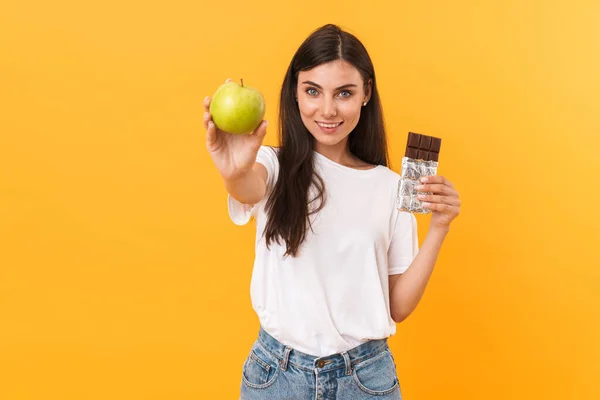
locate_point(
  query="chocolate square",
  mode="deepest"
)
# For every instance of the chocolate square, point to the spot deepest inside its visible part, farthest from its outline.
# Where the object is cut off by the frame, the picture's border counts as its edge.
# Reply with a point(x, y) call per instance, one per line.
point(413, 140)
point(412, 152)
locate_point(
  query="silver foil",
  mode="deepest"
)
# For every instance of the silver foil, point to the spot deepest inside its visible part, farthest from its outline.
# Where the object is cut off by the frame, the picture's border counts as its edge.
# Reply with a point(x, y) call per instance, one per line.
point(412, 171)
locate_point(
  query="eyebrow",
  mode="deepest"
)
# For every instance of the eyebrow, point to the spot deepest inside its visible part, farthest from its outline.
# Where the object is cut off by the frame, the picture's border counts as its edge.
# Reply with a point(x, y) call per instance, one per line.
point(338, 88)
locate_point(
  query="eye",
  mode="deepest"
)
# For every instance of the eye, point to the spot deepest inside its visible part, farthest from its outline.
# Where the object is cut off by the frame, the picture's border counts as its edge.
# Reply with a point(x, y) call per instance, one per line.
point(347, 93)
point(311, 91)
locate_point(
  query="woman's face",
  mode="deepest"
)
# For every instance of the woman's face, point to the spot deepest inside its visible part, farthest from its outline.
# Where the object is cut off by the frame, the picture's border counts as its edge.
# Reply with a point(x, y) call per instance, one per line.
point(330, 99)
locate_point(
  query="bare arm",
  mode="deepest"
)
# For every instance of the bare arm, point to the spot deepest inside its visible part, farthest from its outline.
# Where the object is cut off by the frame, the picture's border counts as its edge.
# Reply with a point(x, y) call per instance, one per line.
point(249, 188)
point(407, 289)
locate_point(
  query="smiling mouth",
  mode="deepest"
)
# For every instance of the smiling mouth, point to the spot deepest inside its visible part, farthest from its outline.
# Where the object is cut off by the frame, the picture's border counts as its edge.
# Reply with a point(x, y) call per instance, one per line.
point(333, 125)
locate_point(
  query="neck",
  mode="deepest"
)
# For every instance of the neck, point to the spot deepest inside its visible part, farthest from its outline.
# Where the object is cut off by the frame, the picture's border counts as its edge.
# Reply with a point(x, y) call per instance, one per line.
point(339, 153)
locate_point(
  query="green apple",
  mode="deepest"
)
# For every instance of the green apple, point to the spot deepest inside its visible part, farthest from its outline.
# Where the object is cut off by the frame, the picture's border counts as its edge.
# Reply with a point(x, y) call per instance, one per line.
point(236, 108)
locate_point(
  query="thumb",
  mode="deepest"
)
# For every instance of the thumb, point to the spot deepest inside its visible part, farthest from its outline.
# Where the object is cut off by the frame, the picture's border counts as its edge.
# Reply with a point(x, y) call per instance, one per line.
point(261, 131)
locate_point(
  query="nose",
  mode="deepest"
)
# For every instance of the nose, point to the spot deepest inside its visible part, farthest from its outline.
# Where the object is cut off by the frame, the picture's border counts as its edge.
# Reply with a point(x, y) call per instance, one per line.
point(328, 108)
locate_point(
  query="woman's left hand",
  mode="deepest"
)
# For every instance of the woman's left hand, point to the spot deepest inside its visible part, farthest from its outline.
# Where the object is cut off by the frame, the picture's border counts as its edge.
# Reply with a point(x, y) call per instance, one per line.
point(443, 203)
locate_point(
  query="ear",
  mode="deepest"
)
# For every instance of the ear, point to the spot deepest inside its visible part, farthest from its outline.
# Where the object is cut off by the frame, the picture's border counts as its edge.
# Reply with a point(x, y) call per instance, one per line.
point(368, 90)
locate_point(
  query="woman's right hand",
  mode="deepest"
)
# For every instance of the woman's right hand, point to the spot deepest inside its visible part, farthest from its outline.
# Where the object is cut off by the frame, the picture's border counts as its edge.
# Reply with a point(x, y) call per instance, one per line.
point(233, 155)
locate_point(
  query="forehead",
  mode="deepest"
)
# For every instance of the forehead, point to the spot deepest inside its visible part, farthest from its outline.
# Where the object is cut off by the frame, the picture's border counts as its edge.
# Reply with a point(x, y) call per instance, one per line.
point(332, 74)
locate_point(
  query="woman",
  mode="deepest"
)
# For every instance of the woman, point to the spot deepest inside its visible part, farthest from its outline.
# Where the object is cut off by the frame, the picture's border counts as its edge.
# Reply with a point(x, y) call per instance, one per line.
point(336, 263)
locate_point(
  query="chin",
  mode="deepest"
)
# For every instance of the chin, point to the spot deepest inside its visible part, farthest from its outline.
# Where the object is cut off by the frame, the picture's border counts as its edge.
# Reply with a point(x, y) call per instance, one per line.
point(328, 140)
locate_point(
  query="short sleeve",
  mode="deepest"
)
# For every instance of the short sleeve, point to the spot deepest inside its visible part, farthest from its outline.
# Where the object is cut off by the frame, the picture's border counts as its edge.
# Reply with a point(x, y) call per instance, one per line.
point(404, 245)
point(241, 213)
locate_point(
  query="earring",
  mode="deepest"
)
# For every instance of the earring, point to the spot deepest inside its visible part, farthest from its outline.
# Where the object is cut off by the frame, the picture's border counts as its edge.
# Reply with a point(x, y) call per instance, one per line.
point(364, 104)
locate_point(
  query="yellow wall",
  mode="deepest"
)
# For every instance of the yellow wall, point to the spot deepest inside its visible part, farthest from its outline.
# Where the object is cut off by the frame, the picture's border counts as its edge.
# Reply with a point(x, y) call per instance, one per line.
point(121, 276)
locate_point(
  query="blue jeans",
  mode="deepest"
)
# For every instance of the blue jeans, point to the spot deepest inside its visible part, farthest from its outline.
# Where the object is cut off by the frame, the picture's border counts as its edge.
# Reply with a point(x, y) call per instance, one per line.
point(273, 371)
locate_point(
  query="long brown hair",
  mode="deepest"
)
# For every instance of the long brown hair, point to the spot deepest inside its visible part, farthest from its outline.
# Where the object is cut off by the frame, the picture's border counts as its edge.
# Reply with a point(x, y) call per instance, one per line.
point(288, 204)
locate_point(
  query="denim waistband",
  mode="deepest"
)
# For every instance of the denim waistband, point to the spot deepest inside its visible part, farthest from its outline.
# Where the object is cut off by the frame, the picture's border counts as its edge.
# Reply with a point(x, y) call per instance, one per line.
point(345, 359)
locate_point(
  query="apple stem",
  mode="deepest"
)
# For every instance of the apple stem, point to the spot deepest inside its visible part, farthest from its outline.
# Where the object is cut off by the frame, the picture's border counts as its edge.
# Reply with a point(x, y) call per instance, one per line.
point(242, 82)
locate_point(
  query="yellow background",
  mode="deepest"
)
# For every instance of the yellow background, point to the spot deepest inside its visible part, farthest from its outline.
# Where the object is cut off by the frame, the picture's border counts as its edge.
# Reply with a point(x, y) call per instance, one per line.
point(121, 275)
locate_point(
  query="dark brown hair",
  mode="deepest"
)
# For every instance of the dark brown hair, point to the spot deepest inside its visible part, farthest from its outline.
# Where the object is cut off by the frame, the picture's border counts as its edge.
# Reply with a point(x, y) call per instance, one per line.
point(288, 204)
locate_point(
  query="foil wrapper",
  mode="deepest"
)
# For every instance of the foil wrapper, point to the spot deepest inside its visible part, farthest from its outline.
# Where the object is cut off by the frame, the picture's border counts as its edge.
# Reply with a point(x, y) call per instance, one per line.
point(412, 171)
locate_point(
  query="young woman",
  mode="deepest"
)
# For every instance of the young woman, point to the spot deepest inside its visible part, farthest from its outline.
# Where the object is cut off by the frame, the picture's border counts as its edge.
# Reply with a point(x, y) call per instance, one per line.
point(337, 265)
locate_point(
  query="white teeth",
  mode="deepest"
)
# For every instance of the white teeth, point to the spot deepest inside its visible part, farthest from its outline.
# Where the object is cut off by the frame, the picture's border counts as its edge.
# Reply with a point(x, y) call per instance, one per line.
point(328, 125)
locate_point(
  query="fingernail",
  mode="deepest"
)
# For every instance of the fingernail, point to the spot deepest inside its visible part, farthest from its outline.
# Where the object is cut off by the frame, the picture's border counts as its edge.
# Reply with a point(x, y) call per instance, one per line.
point(206, 98)
point(421, 196)
point(205, 114)
point(424, 180)
point(419, 187)
point(426, 205)
point(266, 123)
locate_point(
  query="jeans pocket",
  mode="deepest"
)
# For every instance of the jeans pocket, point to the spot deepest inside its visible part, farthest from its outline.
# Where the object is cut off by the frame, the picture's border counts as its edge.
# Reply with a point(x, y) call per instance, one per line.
point(260, 368)
point(377, 376)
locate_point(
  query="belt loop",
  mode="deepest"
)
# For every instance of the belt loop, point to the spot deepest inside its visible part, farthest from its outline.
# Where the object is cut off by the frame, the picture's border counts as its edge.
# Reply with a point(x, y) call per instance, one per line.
point(286, 357)
point(347, 362)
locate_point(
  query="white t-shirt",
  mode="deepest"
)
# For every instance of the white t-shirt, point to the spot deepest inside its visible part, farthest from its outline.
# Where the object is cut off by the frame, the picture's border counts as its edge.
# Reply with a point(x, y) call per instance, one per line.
point(334, 295)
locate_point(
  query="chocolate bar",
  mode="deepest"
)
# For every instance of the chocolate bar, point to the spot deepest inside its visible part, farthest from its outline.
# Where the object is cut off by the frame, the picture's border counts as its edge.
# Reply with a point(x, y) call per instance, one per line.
point(420, 159)
point(422, 147)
